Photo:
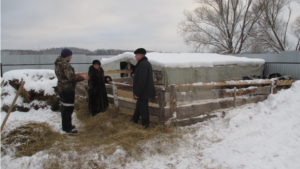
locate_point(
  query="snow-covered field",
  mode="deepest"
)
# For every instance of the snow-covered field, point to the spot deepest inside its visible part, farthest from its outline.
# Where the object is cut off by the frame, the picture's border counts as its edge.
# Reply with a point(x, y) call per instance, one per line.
point(263, 135)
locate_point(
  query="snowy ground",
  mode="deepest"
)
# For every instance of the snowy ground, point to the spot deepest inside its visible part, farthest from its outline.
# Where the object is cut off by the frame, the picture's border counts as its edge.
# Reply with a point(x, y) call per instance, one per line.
point(263, 135)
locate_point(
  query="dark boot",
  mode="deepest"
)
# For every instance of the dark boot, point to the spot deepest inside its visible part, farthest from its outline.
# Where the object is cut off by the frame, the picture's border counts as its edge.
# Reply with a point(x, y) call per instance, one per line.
point(72, 131)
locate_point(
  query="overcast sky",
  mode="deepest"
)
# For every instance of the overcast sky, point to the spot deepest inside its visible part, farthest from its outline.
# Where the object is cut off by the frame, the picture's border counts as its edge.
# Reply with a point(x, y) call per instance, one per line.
point(95, 24)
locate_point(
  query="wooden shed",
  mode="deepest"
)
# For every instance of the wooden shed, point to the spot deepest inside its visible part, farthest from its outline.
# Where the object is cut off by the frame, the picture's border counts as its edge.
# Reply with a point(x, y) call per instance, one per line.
point(189, 86)
point(187, 68)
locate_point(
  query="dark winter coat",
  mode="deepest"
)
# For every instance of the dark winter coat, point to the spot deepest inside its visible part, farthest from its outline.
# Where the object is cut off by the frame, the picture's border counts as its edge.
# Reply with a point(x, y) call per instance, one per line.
point(97, 91)
point(66, 78)
point(143, 84)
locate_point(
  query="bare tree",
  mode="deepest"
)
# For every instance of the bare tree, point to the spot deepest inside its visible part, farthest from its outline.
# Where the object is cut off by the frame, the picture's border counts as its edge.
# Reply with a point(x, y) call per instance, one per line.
point(295, 29)
point(272, 29)
point(222, 26)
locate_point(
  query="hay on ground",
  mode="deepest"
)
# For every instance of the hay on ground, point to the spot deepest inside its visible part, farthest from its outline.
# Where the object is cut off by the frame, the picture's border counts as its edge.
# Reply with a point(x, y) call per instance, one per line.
point(108, 131)
point(29, 139)
point(113, 129)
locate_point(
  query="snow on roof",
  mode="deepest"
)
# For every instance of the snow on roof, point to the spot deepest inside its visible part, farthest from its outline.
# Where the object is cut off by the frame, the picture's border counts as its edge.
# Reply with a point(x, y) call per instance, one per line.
point(188, 59)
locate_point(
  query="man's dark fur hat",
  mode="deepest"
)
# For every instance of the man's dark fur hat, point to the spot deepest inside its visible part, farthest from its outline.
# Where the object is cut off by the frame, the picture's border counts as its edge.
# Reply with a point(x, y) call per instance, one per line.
point(97, 62)
point(140, 51)
point(65, 53)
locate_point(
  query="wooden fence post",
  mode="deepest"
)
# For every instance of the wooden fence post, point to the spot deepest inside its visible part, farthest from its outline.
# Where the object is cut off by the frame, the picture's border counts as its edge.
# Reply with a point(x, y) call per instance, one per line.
point(173, 104)
point(115, 93)
point(234, 99)
point(273, 87)
point(1, 70)
point(12, 105)
point(162, 104)
point(275, 84)
point(129, 67)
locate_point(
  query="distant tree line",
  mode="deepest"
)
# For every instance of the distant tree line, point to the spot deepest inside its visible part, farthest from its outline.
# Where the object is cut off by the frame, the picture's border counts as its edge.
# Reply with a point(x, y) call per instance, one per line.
point(56, 51)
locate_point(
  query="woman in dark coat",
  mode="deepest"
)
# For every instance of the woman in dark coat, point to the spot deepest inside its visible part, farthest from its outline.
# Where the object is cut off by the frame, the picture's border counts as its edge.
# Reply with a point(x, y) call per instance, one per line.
point(98, 101)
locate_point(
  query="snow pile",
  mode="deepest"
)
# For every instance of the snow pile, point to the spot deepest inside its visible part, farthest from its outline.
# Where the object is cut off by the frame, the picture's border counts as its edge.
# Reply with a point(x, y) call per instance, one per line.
point(37, 80)
point(38, 88)
point(189, 59)
point(262, 135)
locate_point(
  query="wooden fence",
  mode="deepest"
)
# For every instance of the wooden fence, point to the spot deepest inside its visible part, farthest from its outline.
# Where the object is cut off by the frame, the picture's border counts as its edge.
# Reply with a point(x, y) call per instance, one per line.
point(183, 108)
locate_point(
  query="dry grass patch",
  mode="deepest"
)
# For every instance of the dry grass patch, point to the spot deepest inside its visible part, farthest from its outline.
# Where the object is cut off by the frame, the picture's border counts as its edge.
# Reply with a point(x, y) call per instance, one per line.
point(105, 132)
point(29, 139)
point(113, 128)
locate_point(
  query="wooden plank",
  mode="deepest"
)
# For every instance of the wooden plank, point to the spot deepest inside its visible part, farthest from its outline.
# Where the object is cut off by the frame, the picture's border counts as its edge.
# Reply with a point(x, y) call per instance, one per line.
point(129, 94)
point(117, 71)
point(133, 101)
point(284, 82)
point(128, 105)
point(192, 96)
point(197, 109)
point(119, 85)
point(122, 84)
point(262, 90)
point(153, 111)
point(247, 91)
point(252, 99)
point(109, 72)
point(123, 79)
point(131, 104)
point(190, 121)
point(194, 110)
point(218, 93)
point(124, 93)
point(238, 92)
point(228, 83)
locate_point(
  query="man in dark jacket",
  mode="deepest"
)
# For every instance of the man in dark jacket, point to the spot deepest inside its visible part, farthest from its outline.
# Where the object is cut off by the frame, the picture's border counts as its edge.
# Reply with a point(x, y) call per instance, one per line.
point(66, 83)
point(143, 87)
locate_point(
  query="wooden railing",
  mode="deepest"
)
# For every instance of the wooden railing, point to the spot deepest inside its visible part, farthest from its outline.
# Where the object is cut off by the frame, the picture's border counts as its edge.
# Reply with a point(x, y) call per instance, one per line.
point(172, 103)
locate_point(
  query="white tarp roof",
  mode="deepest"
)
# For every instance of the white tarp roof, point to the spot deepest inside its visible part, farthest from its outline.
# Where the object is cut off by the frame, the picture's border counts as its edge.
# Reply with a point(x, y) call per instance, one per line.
point(187, 59)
